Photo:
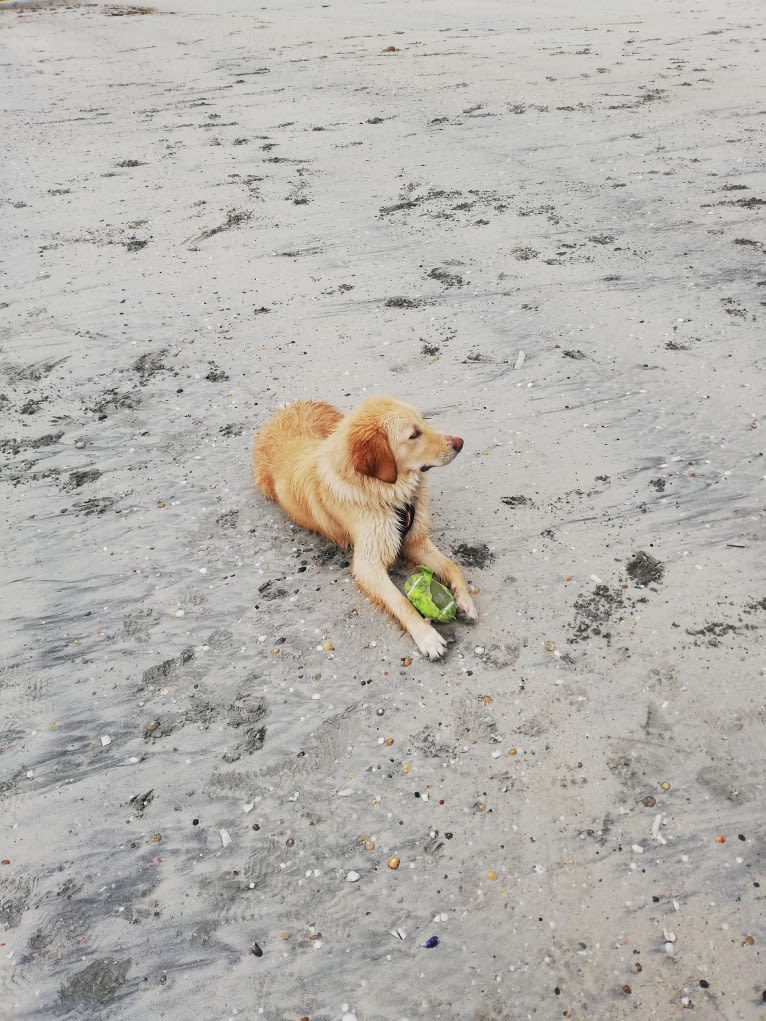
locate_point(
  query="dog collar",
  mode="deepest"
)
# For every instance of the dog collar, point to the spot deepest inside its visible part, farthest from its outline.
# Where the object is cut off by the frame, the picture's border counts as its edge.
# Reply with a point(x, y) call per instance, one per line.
point(405, 516)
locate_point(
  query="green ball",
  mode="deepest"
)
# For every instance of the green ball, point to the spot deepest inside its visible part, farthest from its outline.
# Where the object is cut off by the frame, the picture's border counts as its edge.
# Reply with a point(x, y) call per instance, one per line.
point(429, 597)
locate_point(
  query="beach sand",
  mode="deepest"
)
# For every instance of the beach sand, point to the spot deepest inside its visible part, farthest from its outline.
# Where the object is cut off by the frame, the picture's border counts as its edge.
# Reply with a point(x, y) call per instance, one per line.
point(542, 225)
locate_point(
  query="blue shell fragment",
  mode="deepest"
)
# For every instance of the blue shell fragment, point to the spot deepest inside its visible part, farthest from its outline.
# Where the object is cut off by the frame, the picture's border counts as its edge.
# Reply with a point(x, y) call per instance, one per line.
point(431, 942)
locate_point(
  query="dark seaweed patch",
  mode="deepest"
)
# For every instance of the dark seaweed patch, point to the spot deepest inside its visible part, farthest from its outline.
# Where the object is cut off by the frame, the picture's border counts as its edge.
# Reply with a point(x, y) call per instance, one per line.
point(81, 478)
point(644, 569)
point(473, 556)
point(594, 611)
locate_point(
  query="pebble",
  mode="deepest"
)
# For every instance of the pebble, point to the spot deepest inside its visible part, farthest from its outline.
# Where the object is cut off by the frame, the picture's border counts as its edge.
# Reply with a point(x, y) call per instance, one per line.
point(394, 863)
point(352, 877)
point(430, 943)
point(225, 837)
point(105, 740)
point(492, 876)
point(656, 829)
point(665, 785)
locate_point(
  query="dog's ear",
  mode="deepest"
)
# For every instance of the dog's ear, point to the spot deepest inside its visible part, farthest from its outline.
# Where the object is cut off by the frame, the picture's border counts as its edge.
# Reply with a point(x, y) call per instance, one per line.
point(371, 453)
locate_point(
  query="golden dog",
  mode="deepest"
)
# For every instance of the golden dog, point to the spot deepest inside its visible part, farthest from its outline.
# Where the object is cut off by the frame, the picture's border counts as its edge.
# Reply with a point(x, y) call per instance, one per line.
point(358, 480)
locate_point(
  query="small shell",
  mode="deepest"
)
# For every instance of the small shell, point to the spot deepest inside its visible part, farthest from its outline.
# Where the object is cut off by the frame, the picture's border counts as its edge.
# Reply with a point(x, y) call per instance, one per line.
point(394, 863)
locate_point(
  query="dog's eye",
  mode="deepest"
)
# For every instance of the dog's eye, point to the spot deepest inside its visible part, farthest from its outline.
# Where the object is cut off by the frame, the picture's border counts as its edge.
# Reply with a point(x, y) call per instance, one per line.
point(416, 433)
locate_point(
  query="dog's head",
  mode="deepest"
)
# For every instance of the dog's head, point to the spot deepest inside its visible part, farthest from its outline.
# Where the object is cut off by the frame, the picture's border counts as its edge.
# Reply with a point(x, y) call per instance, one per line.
point(388, 439)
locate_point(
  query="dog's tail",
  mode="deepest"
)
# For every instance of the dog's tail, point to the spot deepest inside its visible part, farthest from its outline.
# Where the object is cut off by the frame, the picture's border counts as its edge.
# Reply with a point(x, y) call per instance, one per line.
point(262, 475)
point(290, 429)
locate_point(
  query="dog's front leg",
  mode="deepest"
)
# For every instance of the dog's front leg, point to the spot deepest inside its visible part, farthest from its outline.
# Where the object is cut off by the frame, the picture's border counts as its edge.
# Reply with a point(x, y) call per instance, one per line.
point(422, 551)
point(372, 578)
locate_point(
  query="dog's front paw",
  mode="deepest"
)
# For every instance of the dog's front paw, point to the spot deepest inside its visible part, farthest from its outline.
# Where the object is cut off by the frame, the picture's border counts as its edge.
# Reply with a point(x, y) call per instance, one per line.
point(466, 606)
point(431, 644)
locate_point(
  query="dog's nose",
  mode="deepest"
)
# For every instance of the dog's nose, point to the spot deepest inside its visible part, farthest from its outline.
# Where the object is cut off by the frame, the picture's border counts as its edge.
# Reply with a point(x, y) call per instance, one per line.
point(456, 443)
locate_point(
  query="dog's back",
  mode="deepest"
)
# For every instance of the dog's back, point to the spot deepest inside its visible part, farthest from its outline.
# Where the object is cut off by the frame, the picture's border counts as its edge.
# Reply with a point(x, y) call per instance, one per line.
point(286, 438)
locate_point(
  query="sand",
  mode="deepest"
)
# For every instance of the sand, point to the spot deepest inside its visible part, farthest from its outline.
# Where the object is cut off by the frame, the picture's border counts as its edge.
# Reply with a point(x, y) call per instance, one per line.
point(541, 224)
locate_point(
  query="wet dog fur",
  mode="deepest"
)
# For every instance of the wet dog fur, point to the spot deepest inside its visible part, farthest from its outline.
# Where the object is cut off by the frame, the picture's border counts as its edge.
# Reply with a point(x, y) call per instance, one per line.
point(347, 477)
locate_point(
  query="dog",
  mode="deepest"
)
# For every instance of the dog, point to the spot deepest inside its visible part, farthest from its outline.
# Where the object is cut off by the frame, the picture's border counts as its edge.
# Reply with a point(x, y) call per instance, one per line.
point(358, 480)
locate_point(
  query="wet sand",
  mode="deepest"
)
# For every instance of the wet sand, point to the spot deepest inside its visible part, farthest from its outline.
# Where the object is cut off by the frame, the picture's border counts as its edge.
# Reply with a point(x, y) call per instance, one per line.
point(543, 225)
